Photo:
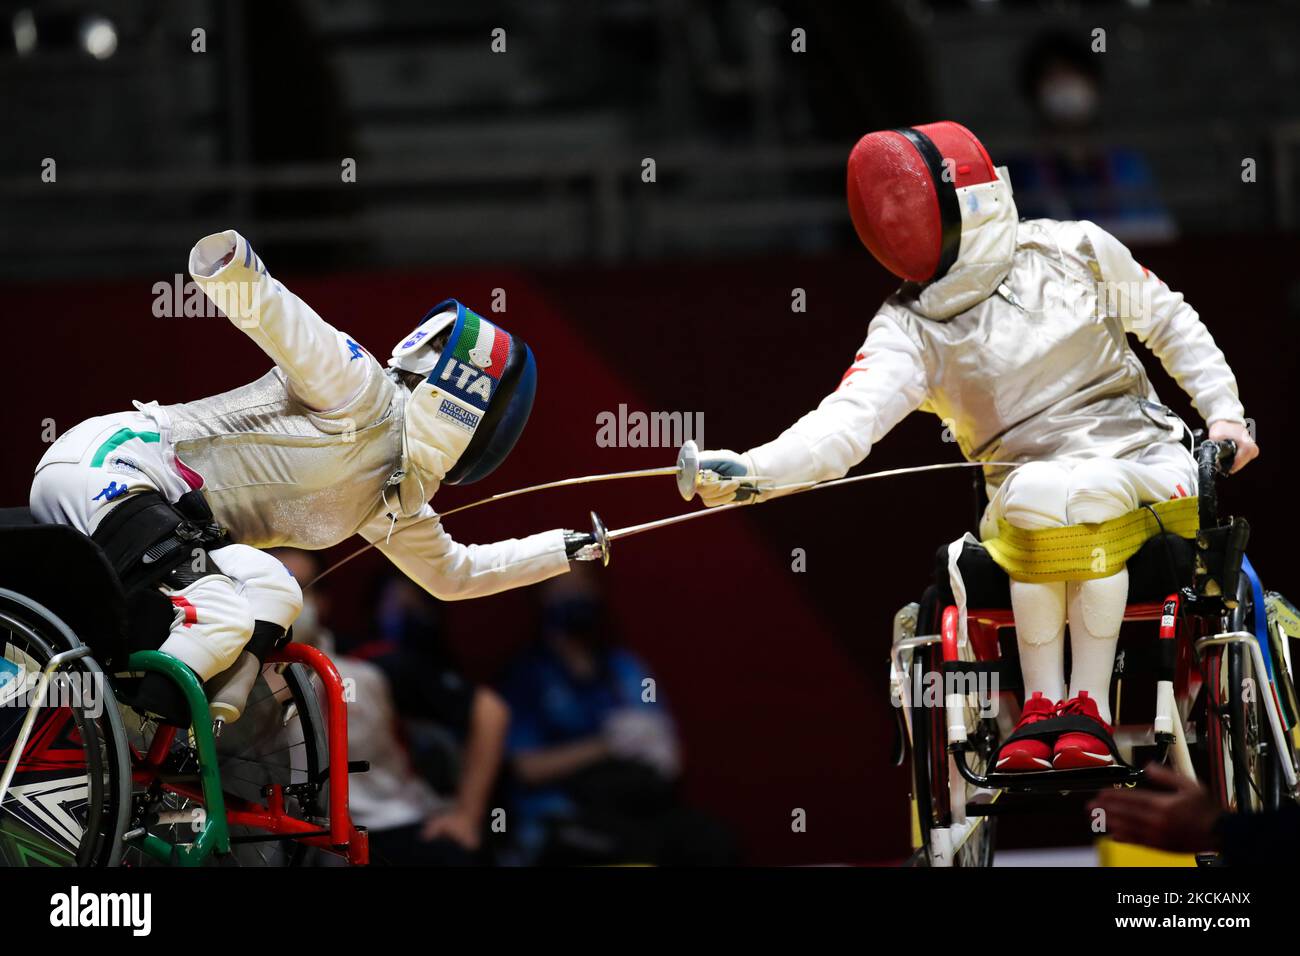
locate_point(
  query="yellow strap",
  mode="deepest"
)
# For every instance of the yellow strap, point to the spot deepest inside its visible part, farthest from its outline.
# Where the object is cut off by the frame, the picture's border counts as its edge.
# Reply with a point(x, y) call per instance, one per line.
point(1080, 552)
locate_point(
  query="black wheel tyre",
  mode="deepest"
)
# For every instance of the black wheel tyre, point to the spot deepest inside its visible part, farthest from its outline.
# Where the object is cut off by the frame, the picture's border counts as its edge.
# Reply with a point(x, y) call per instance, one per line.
point(1239, 725)
point(1243, 767)
point(922, 733)
point(82, 782)
point(930, 770)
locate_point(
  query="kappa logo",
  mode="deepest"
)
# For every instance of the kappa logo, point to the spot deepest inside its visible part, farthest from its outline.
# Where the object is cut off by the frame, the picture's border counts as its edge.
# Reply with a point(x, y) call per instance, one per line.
point(131, 910)
point(114, 490)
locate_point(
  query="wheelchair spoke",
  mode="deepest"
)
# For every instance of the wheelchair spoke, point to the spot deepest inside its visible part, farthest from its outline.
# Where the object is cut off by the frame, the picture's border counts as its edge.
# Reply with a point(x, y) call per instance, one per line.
point(278, 695)
point(255, 758)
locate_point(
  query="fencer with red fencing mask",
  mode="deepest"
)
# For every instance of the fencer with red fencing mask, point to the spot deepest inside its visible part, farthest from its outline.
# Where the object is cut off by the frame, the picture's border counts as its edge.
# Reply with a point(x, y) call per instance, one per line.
point(1007, 331)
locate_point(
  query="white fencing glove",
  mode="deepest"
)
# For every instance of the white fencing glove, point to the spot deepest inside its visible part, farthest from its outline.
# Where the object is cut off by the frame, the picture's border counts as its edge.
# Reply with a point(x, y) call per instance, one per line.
point(721, 474)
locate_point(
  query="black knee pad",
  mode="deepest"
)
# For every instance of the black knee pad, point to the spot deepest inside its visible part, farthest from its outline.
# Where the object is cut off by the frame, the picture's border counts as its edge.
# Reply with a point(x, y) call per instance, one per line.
point(151, 542)
point(267, 637)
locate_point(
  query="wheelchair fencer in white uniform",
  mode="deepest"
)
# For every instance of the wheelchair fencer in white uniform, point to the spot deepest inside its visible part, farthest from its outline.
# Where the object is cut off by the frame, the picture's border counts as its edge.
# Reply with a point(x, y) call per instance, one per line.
point(327, 444)
point(1015, 335)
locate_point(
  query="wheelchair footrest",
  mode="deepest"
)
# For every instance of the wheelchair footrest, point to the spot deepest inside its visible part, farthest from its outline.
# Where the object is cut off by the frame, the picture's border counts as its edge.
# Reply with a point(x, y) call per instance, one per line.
point(1011, 803)
point(1065, 781)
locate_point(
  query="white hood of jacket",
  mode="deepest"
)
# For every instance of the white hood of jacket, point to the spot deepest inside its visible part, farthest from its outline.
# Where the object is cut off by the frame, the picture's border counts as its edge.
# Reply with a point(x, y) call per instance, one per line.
point(988, 244)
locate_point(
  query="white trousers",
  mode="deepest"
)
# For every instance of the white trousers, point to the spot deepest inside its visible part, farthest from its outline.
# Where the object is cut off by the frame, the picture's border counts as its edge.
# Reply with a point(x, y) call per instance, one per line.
point(1047, 494)
point(91, 468)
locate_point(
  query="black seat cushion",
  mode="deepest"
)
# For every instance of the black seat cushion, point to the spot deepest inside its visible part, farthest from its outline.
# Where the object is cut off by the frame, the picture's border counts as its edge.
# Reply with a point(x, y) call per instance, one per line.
point(1161, 566)
point(67, 573)
point(16, 518)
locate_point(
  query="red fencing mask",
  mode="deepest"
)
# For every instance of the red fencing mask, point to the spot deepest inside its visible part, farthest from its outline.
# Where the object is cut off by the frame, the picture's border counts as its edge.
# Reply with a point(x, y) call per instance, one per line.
point(902, 190)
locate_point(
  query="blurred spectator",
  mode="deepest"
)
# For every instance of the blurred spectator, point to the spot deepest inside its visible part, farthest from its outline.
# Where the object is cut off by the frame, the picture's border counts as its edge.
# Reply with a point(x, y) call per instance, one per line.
point(411, 823)
point(1073, 174)
point(1178, 815)
point(594, 760)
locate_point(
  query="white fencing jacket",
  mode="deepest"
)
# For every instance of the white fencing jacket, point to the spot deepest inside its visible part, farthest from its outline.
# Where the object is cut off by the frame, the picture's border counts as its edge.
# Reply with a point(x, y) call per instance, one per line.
point(1022, 359)
point(302, 457)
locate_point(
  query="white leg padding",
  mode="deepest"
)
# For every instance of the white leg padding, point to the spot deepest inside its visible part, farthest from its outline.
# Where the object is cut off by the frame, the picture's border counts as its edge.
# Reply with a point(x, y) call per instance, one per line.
point(1100, 489)
point(1053, 494)
point(1033, 496)
point(1096, 614)
point(213, 623)
point(263, 581)
point(1040, 634)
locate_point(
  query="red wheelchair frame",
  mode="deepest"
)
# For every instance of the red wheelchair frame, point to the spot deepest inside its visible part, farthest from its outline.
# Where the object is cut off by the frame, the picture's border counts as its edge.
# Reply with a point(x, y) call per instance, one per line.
point(1204, 636)
point(342, 837)
point(1177, 668)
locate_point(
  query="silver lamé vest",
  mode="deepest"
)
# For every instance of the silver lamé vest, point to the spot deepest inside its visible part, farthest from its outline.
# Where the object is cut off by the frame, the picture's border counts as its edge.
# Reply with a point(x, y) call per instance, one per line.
point(277, 473)
point(1042, 368)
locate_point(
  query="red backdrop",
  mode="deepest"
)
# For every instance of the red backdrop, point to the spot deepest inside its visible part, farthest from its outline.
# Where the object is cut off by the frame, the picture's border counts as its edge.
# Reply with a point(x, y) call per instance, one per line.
point(777, 678)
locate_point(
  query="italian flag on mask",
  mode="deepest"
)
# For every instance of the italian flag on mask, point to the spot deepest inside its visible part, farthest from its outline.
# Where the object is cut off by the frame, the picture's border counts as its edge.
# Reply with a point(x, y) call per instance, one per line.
point(448, 407)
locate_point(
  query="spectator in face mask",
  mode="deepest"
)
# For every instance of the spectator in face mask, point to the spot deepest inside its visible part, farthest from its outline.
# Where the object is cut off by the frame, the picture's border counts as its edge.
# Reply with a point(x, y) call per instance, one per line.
point(413, 820)
point(593, 748)
point(1073, 173)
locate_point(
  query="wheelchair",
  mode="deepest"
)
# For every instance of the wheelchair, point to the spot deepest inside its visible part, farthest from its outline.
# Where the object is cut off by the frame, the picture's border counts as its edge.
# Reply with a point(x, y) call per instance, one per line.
point(1223, 708)
point(88, 781)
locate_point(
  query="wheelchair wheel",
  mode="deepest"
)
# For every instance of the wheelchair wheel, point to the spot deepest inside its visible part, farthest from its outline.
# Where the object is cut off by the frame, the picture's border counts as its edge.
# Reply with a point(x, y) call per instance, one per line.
point(941, 793)
point(279, 739)
point(69, 798)
point(1243, 769)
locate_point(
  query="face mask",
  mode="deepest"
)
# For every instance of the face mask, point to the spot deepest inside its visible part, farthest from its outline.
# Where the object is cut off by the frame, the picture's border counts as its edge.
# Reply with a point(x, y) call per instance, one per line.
point(1068, 99)
point(580, 618)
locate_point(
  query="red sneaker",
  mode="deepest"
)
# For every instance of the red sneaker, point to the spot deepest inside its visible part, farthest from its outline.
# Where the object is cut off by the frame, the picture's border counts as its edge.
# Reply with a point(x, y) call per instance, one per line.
point(1075, 749)
point(1028, 753)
